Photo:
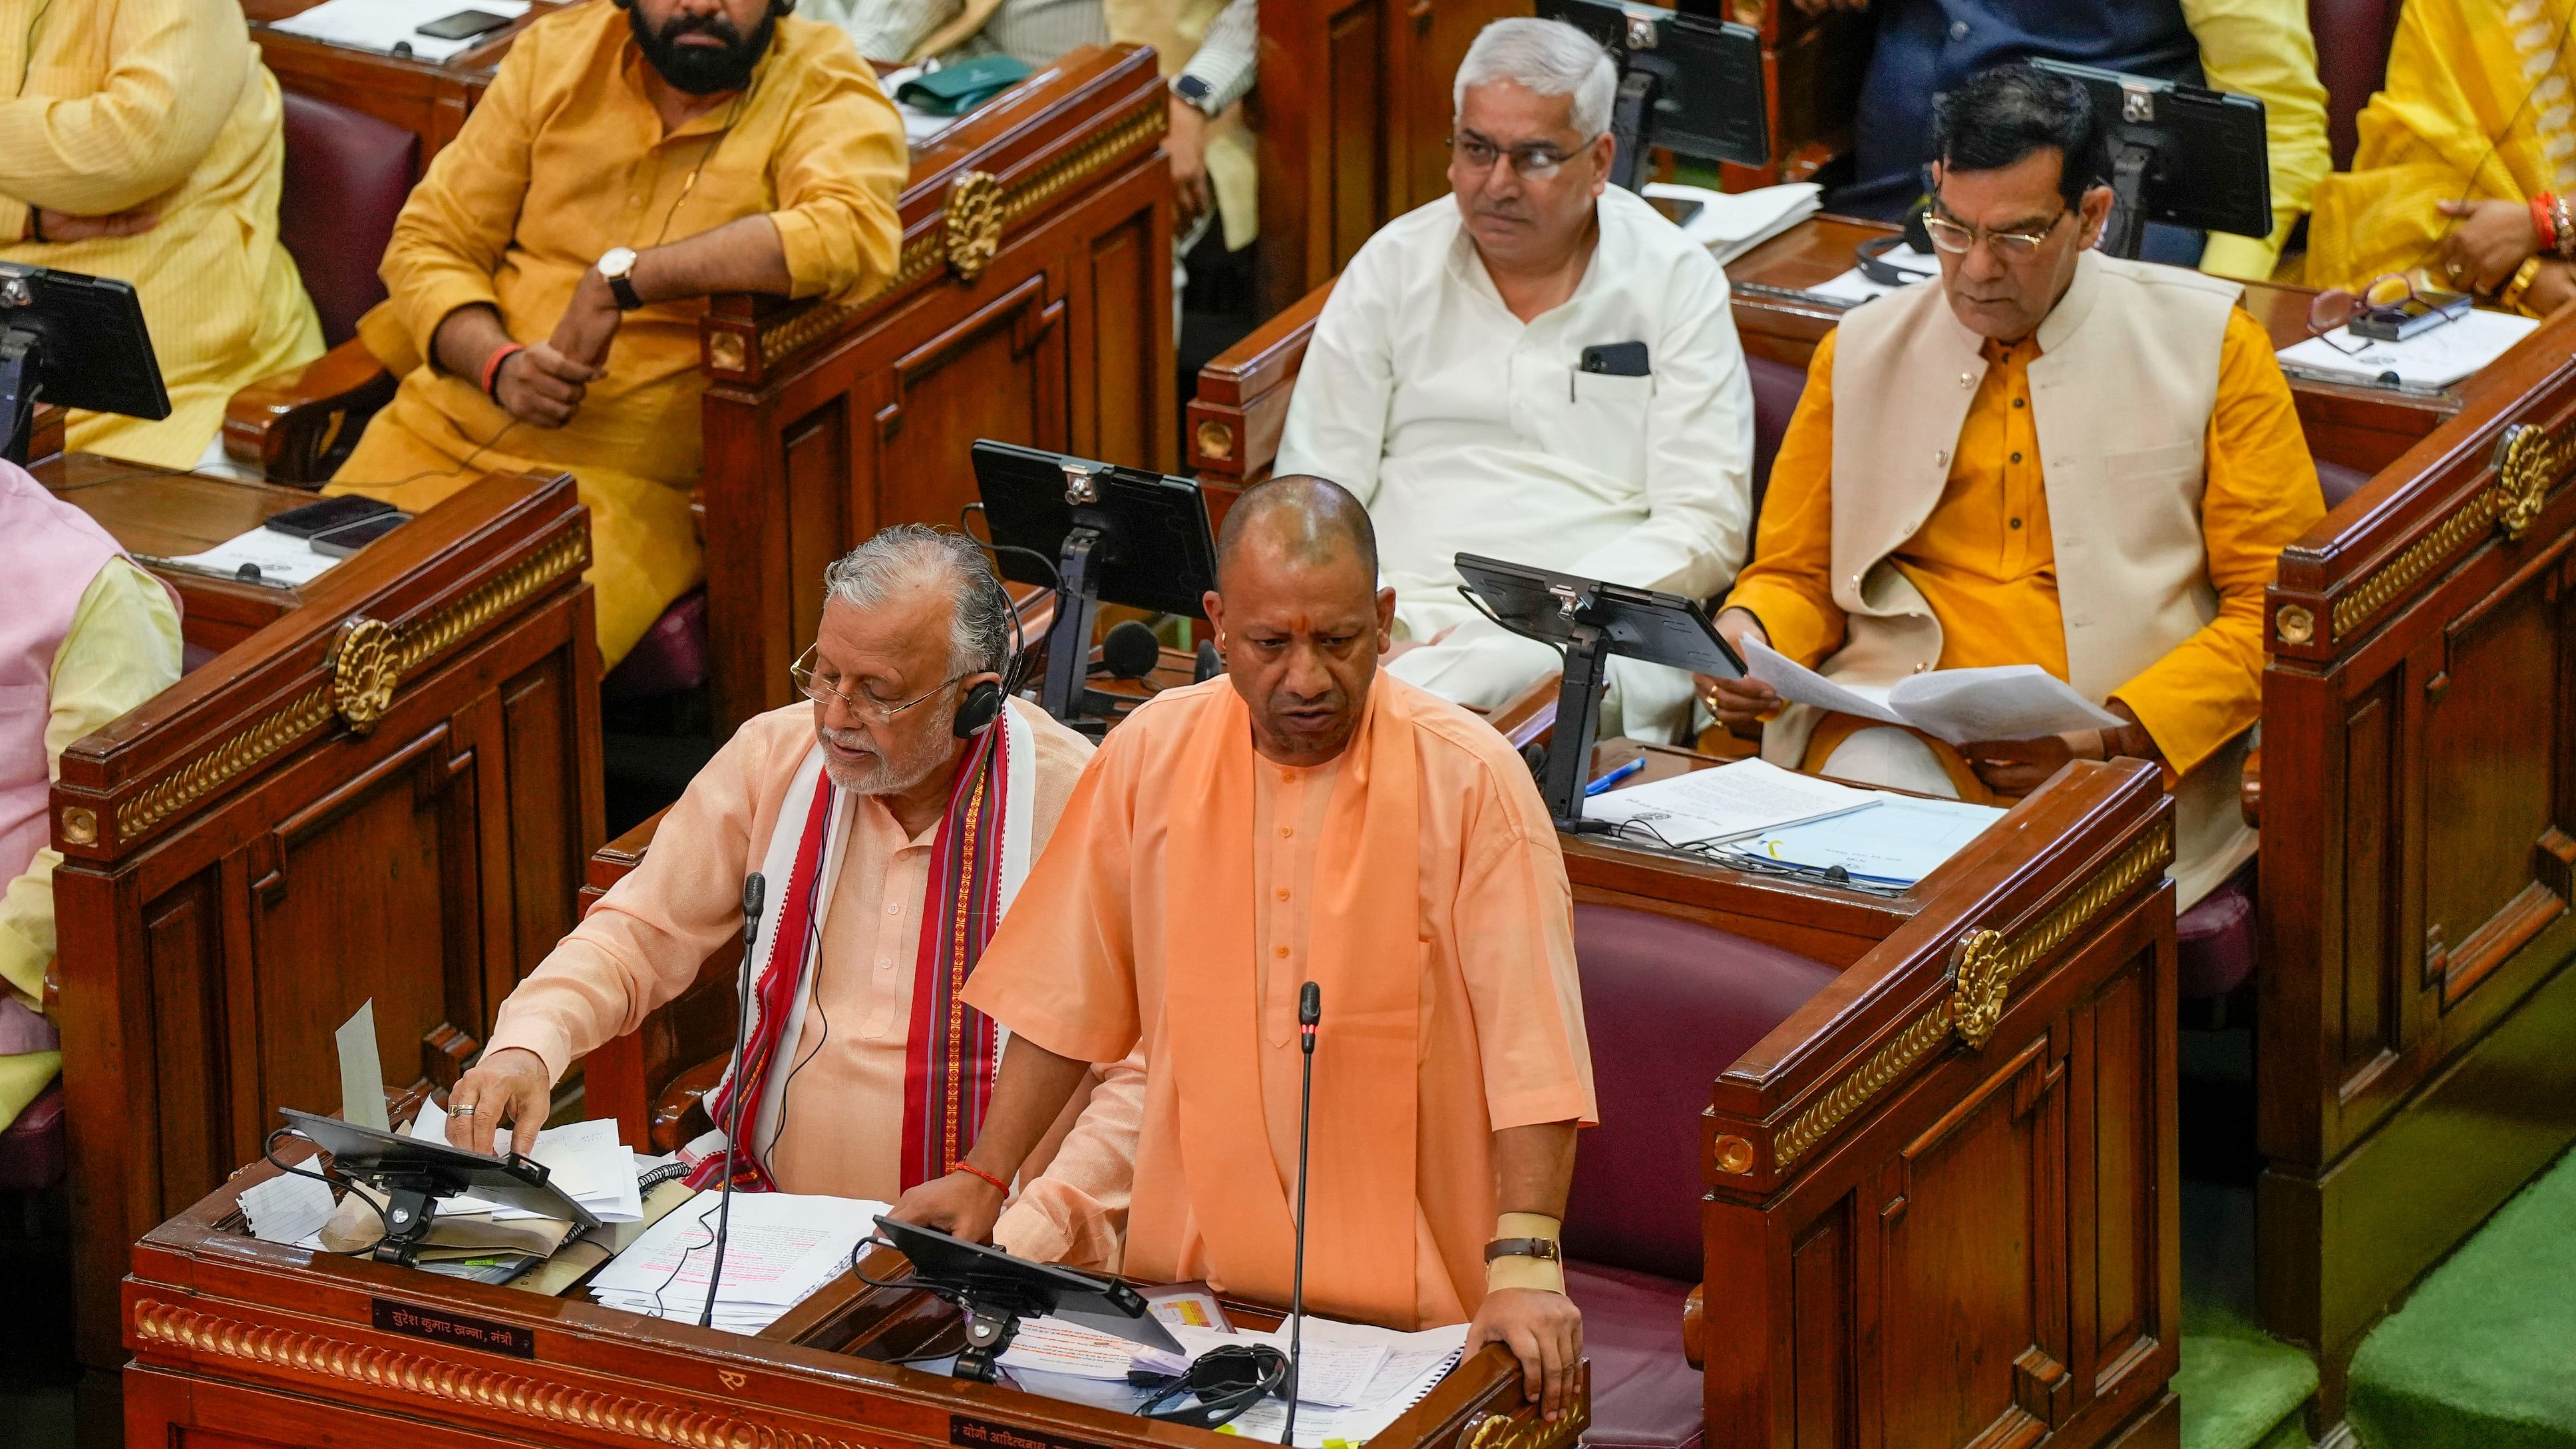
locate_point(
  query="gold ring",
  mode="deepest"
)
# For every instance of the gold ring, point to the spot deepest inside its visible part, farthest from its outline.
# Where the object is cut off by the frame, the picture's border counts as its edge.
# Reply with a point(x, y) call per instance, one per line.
point(2454, 270)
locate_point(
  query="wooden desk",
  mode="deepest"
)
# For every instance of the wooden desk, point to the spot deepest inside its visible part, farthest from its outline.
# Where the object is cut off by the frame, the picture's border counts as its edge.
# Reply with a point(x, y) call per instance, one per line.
point(383, 786)
point(241, 1343)
point(430, 101)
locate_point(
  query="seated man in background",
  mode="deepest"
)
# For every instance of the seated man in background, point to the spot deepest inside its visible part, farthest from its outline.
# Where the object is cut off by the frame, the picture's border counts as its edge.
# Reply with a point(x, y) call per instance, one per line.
point(86, 637)
point(905, 785)
point(1305, 818)
point(142, 140)
point(1541, 369)
point(898, 32)
point(2262, 48)
point(548, 274)
point(1910, 524)
point(2464, 157)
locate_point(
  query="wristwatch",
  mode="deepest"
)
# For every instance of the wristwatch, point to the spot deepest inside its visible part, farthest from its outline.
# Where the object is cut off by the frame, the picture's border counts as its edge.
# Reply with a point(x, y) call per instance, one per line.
point(1197, 92)
point(617, 265)
point(1543, 1249)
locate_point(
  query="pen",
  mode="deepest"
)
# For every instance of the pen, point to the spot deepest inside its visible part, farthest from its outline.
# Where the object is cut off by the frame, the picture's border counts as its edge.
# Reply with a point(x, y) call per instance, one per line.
point(1614, 777)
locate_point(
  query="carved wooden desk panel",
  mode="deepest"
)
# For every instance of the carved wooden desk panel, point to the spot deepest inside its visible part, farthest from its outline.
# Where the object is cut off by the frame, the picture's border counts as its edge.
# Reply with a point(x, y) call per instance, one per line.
point(384, 788)
point(1033, 305)
point(2418, 813)
point(238, 1342)
point(428, 100)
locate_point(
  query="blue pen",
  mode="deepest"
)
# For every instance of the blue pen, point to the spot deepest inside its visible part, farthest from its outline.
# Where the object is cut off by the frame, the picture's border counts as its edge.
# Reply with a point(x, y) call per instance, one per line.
point(1614, 777)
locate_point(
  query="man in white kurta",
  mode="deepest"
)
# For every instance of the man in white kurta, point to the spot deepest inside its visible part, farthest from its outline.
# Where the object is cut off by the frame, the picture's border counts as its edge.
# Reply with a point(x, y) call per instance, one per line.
point(832, 1115)
point(1446, 383)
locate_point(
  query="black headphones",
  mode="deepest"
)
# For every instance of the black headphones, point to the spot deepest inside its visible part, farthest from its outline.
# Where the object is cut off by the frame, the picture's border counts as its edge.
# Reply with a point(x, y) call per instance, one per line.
point(983, 704)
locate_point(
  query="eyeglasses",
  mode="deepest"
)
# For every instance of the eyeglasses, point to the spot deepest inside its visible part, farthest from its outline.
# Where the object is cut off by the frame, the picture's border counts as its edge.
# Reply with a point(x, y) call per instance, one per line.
point(1226, 1381)
point(861, 707)
point(1531, 161)
point(2385, 298)
point(2013, 246)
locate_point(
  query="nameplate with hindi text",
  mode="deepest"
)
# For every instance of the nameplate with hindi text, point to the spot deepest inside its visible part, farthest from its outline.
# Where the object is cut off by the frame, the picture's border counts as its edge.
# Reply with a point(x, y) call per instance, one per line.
point(440, 1326)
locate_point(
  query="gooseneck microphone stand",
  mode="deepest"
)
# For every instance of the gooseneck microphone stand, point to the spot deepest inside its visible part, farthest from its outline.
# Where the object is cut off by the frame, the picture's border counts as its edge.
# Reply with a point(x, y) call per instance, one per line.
point(754, 890)
point(1310, 1010)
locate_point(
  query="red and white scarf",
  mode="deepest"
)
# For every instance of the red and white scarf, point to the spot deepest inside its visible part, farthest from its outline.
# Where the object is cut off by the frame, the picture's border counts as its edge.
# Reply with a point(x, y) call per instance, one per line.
point(977, 862)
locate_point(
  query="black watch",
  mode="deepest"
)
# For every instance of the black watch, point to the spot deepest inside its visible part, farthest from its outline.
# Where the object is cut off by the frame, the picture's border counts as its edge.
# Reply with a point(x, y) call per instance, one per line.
point(1196, 91)
point(618, 267)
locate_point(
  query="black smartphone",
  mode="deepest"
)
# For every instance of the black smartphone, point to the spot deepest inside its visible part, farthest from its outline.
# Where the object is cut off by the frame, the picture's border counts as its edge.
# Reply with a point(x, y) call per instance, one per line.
point(327, 515)
point(463, 24)
point(2420, 313)
point(1615, 359)
point(349, 538)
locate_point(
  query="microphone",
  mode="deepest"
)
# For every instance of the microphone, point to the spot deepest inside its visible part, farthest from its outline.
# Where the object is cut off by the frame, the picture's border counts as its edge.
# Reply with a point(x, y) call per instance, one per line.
point(1208, 665)
point(1130, 650)
point(1310, 1011)
point(755, 889)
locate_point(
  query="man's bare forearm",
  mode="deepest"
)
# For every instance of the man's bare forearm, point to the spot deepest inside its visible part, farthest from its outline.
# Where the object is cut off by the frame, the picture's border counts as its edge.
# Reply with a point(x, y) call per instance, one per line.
point(1533, 1168)
point(465, 339)
point(1028, 1093)
point(743, 255)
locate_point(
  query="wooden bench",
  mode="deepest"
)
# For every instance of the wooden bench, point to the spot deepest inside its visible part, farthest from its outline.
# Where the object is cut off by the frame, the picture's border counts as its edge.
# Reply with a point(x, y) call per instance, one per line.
point(382, 786)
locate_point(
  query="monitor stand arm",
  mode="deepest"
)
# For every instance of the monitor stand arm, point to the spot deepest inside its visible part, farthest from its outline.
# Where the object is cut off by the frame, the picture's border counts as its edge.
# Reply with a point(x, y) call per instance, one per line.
point(1077, 612)
point(1629, 113)
point(21, 358)
point(2127, 228)
point(991, 1323)
point(1578, 722)
point(407, 1214)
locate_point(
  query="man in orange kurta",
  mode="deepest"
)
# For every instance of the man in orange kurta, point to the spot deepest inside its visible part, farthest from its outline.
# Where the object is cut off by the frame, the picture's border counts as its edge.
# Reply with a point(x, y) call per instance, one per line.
point(1308, 818)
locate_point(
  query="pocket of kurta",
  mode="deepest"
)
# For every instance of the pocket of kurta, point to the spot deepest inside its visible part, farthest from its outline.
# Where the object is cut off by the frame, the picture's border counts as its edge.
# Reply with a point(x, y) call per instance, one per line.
point(1606, 424)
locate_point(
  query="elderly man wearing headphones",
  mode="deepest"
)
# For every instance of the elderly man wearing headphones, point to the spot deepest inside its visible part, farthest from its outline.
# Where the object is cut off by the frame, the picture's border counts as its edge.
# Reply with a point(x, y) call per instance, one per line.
point(546, 276)
point(891, 821)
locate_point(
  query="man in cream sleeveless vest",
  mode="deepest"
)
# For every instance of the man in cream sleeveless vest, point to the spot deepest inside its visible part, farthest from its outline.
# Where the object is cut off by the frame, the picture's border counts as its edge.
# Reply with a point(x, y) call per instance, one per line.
point(2055, 458)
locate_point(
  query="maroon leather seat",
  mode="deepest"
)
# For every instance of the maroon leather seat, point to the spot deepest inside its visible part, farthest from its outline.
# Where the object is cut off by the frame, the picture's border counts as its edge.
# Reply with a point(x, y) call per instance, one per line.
point(670, 659)
point(2215, 946)
point(1667, 1004)
point(2339, 482)
point(346, 177)
point(1776, 389)
point(32, 1150)
point(2352, 60)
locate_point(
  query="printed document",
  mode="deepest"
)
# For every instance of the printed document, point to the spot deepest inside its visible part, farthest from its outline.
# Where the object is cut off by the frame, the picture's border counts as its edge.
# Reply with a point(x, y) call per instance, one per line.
point(1730, 224)
point(2435, 357)
point(2006, 702)
point(1726, 803)
point(381, 25)
point(1898, 843)
point(780, 1248)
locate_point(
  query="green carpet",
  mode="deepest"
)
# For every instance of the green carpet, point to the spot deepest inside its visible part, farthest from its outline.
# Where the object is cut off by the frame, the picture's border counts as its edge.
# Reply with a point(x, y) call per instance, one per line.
point(2239, 1388)
point(2484, 1353)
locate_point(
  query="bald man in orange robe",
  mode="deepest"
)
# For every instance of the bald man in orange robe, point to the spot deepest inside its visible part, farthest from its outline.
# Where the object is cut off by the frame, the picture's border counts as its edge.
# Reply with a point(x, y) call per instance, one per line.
point(1307, 818)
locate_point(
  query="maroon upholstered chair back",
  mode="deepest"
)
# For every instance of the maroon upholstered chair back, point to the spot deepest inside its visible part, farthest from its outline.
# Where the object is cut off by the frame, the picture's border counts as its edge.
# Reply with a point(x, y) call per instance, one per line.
point(1668, 1004)
point(346, 177)
point(2352, 60)
point(2339, 482)
point(1776, 389)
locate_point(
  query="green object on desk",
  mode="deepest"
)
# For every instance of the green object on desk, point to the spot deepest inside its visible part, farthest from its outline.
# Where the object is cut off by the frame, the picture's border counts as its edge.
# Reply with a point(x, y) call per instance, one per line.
point(953, 90)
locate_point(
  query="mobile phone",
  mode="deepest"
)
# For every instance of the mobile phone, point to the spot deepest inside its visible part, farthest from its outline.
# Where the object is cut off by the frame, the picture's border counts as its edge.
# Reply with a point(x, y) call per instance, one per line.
point(348, 539)
point(1615, 359)
point(463, 24)
point(2419, 313)
point(327, 515)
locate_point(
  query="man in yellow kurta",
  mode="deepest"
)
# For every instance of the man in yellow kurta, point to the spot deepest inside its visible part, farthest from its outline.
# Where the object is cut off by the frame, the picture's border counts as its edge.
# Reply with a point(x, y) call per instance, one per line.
point(2475, 121)
point(1308, 818)
point(1911, 524)
point(141, 140)
point(548, 274)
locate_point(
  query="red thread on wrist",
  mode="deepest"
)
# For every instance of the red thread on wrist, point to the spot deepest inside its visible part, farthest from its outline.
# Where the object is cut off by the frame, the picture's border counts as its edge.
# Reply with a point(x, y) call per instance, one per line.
point(999, 1186)
point(492, 367)
point(2544, 221)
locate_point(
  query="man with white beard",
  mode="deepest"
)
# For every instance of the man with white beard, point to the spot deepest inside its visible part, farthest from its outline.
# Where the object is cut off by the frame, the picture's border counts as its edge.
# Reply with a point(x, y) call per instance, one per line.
point(892, 817)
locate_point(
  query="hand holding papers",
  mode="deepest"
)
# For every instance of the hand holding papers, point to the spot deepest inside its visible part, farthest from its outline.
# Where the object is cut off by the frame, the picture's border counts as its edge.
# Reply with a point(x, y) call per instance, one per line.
point(2009, 702)
point(1726, 803)
point(583, 1159)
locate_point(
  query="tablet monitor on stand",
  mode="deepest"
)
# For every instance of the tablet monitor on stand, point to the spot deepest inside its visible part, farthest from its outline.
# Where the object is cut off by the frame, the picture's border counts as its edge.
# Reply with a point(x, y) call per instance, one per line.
point(76, 341)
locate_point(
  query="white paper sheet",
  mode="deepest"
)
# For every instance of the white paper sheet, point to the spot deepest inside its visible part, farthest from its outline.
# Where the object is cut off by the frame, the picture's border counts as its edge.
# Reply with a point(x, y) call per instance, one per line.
point(1854, 286)
point(918, 125)
point(1730, 224)
point(780, 1248)
point(362, 1074)
point(1415, 1364)
point(281, 560)
point(380, 25)
point(1899, 842)
point(2436, 358)
point(1726, 803)
point(286, 1208)
point(584, 1159)
point(2006, 702)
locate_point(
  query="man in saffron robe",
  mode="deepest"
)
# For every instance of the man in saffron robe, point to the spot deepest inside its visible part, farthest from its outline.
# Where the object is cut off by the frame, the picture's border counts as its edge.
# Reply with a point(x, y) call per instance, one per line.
point(892, 818)
point(1306, 818)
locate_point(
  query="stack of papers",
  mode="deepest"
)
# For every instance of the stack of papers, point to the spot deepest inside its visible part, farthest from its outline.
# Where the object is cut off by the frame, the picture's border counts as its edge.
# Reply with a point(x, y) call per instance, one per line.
point(1730, 224)
point(780, 1248)
point(585, 1160)
point(2435, 358)
point(382, 25)
point(279, 558)
point(1855, 287)
point(2007, 702)
point(287, 1209)
point(1897, 842)
point(1414, 1365)
point(1730, 802)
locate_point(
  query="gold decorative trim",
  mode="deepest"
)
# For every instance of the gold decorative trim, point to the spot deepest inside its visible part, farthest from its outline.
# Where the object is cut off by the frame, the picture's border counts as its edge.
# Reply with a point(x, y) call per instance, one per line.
point(2528, 461)
point(1216, 440)
point(971, 233)
point(429, 1377)
point(364, 671)
point(315, 708)
point(2294, 624)
point(726, 353)
point(80, 826)
point(1984, 966)
point(928, 251)
point(245, 751)
point(1733, 1155)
